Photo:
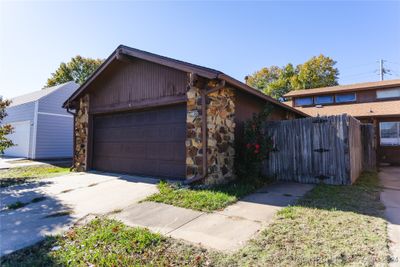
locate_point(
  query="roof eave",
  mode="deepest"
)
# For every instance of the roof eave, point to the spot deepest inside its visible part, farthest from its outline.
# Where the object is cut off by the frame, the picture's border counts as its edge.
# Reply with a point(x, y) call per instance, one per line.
point(259, 94)
point(169, 62)
point(90, 79)
point(308, 92)
point(176, 64)
point(123, 50)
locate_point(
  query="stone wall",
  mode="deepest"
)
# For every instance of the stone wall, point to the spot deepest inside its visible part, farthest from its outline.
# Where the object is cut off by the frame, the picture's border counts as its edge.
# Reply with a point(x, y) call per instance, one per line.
point(81, 134)
point(194, 151)
point(221, 127)
point(220, 137)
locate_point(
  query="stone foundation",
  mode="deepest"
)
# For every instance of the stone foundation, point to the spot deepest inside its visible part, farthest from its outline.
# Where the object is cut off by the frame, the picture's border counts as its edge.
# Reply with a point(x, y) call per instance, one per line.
point(220, 135)
point(81, 134)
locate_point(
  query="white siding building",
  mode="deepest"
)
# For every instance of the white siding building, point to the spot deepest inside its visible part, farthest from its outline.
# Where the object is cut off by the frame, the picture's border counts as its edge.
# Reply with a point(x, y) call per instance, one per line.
point(42, 128)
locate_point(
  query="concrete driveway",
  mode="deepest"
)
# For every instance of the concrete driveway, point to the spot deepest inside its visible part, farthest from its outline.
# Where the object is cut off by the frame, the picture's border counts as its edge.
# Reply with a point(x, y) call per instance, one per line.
point(57, 203)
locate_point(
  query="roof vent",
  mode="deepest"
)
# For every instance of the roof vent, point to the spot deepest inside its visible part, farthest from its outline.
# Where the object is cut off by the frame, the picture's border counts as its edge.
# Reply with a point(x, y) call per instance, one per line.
point(318, 106)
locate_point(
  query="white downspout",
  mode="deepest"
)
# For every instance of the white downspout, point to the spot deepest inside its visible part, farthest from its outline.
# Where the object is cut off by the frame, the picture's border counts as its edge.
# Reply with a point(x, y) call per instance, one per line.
point(35, 120)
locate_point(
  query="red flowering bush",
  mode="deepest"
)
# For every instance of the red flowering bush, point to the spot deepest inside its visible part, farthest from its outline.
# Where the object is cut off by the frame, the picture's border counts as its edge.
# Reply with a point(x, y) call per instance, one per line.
point(254, 147)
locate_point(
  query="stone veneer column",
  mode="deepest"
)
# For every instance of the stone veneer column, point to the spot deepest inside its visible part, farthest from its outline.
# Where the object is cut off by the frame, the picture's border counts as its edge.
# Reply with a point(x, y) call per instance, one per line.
point(220, 137)
point(81, 134)
point(194, 143)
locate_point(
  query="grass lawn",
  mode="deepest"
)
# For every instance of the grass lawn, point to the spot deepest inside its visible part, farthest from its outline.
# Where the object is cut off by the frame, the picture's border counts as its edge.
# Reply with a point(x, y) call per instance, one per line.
point(21, 175)
point(105, 242)
point(208, 200)
point(331, 225)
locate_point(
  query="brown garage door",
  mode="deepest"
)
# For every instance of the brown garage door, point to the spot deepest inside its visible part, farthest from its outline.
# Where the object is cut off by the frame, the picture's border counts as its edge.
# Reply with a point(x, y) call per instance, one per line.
point(150, 142)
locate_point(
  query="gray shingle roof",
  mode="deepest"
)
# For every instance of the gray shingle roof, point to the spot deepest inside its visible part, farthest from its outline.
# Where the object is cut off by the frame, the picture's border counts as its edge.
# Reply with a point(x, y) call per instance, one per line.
point(30, 97)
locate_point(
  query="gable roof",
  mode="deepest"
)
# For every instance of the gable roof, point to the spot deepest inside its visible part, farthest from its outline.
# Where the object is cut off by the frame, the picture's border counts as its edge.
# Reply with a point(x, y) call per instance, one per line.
point(208, 73)
point(345, 88)
point(36, 95)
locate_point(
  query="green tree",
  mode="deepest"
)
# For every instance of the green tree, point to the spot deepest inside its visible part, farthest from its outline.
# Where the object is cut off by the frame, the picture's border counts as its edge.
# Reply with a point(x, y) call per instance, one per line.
point(4, 128)
point(78, 69)
point(276, 81)
point(317, 72)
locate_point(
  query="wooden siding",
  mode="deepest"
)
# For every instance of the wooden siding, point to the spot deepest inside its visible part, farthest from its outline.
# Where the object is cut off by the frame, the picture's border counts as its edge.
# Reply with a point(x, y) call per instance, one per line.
point(246, 105)
point(385, 154)
point(315, 150)
point(126, 85)
point(366, 96)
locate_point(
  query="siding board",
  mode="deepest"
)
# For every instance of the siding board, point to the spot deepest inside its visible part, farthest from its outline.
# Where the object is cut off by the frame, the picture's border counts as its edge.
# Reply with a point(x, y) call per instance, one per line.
point(126, 84)
point(54, 137)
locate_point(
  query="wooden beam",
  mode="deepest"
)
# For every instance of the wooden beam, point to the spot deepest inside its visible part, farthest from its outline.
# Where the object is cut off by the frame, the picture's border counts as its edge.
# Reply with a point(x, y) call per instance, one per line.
point(216, 88)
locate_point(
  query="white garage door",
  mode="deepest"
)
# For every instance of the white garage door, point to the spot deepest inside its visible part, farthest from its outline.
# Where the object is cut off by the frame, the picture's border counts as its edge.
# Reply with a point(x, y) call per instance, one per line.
point(20, 138)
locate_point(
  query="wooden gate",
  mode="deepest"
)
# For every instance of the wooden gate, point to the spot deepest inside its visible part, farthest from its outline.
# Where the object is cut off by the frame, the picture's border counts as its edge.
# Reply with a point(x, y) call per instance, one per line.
point(315, 150)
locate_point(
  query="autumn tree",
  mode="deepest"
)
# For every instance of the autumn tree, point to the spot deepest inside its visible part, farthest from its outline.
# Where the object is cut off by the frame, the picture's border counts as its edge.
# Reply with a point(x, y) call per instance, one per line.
point(276, 81)
point(5, 129)
point(317, 72)
point(78, 69)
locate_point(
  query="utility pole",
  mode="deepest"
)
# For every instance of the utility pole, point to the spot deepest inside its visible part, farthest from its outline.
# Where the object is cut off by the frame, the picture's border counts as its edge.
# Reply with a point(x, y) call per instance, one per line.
point(382, 70)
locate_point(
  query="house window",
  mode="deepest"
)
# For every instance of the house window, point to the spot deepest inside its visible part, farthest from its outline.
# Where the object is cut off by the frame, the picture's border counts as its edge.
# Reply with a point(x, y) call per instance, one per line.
point(323, 99)
point(304, 101)
point(390, 133)
point(343, 98)
point(391, 93)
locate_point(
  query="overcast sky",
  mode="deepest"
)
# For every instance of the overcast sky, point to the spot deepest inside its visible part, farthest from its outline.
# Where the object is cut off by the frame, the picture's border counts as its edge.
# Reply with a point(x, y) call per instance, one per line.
point(237, 38)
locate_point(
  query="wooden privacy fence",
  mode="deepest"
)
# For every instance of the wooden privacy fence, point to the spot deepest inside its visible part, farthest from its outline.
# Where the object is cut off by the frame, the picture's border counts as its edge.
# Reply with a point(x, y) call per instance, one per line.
point(318, 150)
point(368, 142)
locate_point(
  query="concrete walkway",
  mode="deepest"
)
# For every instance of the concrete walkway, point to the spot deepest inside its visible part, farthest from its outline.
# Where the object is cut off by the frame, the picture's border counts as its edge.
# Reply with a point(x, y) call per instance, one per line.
point(225, 230)
point(390, 196)
point(63, 201)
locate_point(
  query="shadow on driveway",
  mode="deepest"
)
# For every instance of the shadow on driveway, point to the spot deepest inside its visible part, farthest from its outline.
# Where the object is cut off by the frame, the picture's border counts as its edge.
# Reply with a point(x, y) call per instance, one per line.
point(54, 204)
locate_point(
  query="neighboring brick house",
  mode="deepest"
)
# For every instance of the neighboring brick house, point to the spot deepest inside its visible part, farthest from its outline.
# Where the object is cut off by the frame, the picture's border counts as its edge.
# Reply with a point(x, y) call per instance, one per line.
point(373, 102)
point(146, 114)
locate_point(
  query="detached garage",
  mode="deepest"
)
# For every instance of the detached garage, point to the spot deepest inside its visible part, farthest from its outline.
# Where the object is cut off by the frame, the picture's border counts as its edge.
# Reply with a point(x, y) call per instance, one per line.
point(42, 128)
point(150, 115)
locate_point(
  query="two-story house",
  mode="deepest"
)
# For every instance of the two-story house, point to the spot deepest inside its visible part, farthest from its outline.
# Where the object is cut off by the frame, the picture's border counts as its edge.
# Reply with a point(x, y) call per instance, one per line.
point(373, 102)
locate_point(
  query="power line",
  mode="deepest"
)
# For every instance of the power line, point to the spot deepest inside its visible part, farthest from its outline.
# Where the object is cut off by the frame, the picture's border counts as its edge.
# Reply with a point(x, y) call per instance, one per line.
point(392, 62)
point(383, 70)
point(395, 73)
